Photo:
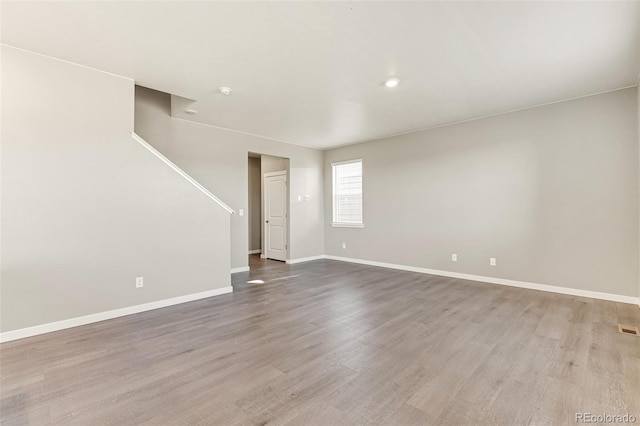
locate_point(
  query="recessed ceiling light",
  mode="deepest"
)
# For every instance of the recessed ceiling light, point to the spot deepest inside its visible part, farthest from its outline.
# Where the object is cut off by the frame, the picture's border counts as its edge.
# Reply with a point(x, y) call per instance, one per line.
point(225, 90)
point(392, 82)
point(190, 111)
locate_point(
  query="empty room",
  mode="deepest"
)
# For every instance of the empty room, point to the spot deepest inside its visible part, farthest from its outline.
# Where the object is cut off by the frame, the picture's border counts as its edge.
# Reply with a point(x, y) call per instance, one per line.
point(320, 213)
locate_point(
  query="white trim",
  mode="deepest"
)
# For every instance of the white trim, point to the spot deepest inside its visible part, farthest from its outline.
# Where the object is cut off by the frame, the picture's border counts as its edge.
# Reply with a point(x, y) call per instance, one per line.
point(305, 259)
point(334, 165)
point(255, 251)
point(240, 269)
point(8, 336)
point(501, 281)
point(181, 172)
point(263, 256)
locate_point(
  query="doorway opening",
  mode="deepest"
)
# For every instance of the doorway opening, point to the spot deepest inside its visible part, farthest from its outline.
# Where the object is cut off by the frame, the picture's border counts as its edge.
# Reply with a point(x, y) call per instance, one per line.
point(268, 207)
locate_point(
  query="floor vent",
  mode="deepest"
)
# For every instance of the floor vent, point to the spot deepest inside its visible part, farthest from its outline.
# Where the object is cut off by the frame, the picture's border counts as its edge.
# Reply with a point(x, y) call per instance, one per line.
point(628, 329)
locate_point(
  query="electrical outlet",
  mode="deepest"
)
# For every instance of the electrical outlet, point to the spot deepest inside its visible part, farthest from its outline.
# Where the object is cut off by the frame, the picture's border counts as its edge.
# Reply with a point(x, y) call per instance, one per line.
point(454, 257)
point(139, 282)
point(241, 212)
point(492, 261)
point(344, 245)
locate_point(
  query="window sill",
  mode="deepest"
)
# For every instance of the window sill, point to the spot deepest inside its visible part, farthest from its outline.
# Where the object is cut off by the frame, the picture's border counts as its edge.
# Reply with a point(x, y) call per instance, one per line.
point(347, 225)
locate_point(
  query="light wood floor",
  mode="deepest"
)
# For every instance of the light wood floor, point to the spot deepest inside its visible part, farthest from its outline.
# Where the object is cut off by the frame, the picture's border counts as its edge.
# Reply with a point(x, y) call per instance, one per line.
point(327, 342)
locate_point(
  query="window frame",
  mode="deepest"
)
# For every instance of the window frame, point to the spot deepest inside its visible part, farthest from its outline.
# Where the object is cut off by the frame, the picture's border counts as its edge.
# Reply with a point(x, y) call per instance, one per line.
point(334, 223)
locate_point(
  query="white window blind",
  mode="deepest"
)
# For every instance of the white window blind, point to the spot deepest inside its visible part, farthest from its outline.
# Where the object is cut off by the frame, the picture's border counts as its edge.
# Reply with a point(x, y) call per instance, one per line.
point(347, 193)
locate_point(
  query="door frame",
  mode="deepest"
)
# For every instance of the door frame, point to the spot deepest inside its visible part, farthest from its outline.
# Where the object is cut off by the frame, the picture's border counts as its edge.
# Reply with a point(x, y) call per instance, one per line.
point(265, 242)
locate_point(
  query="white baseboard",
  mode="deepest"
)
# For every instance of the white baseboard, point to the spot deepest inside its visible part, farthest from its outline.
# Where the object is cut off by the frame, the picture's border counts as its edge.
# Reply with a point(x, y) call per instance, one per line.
point(263, 256)
point(305, 259)
point(240, 269)
point(8, 336)
point(500, 281)
point(255, 251)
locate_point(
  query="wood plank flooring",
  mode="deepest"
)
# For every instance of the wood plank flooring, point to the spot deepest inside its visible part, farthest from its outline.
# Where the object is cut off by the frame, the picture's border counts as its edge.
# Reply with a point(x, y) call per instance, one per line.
point(327, 342)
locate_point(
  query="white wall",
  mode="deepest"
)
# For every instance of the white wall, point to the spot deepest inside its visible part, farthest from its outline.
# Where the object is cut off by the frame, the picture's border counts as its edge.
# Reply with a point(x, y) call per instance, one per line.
point(551, 192)
point(85, 209)
point(217, 158)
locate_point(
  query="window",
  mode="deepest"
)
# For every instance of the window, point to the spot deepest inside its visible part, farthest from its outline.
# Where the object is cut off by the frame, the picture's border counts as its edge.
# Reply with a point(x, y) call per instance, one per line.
point(347, 194)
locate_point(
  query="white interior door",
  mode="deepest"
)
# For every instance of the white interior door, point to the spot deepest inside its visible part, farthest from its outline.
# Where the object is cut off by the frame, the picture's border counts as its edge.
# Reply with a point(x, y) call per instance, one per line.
point(275, 193)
